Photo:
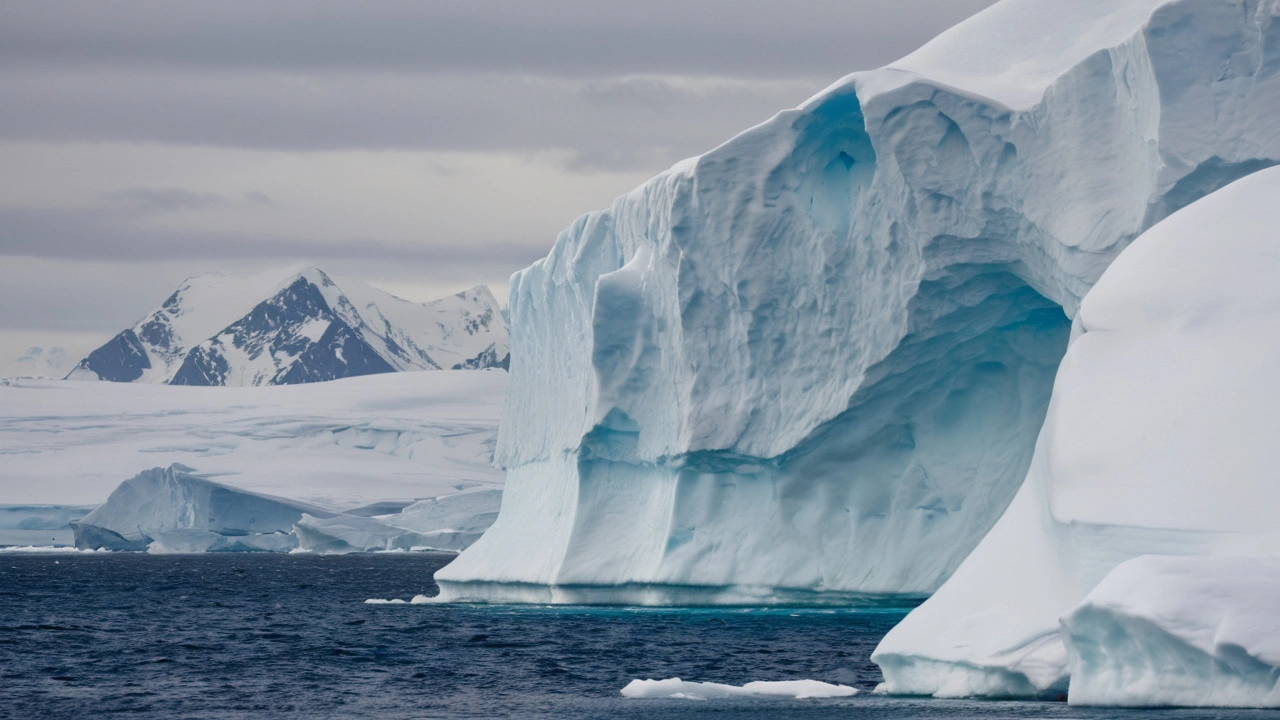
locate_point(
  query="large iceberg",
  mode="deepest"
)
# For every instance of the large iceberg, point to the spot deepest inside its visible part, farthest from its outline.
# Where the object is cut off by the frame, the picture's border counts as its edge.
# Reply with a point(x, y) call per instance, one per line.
point(1160, 439)
point(812, 363)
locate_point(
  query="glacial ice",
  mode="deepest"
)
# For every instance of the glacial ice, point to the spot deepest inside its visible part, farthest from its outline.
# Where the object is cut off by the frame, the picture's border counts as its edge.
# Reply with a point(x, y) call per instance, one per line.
point(450, 522)
point(175, 510)
point(811, 364)
point(340, 445)
point(1159, 440)
point(685, 690)
point(1187, 631)
point(172, 510)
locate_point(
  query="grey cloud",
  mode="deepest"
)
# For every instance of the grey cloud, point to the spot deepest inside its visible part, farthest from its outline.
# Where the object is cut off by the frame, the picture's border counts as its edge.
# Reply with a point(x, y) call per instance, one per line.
point(161, 200)
point(745, 38)
point(109, 235)
point(649, 117)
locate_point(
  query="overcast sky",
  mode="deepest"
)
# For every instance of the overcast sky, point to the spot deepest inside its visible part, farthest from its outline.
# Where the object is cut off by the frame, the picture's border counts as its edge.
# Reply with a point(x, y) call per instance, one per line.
point(423, 146)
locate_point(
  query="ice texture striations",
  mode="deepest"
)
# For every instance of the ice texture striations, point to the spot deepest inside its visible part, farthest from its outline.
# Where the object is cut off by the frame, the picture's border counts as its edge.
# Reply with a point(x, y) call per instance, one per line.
point(812, 363)
point(1159, 440)
point(265, 330)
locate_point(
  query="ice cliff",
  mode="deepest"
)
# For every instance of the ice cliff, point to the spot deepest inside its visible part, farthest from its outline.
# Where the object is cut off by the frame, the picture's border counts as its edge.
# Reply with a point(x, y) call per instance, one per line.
point(288, 327)
point(812, 363)
point(1159, 441)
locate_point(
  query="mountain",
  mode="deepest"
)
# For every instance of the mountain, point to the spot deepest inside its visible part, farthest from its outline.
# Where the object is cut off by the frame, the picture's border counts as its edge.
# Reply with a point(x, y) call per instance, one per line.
point(265, 330)
point(811, 365)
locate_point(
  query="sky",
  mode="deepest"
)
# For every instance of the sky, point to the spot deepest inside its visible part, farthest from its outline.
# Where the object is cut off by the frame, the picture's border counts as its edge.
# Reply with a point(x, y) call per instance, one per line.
point(422, 146)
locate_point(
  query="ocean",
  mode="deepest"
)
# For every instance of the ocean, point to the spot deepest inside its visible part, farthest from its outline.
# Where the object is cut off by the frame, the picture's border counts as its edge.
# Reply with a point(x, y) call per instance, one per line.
point(89, 635)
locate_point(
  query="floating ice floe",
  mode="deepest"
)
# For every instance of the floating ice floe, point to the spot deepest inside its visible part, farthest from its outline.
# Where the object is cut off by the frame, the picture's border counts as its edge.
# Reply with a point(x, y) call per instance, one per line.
point(684, 690)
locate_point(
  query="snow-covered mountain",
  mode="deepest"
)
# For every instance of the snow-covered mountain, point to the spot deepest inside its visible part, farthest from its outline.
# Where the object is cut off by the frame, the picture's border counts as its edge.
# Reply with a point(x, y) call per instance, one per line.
point(278, 328)
point(812, 363)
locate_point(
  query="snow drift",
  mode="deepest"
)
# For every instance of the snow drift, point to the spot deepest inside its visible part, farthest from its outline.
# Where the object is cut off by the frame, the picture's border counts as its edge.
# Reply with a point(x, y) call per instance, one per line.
point(812, 363)
point(1159, 440)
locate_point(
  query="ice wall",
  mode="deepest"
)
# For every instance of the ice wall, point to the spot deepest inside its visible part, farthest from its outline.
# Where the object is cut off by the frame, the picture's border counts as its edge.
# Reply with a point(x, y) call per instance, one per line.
point(811, 364)
point(1159, 440)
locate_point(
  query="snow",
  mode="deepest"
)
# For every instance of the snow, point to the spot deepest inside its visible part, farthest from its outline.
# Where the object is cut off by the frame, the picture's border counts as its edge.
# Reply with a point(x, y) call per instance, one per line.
point(812, 363)
point(1159, 440)
point(1188, 631)
point(297, 325)
point(201, 307)
point(341, 444)
point(684, 690)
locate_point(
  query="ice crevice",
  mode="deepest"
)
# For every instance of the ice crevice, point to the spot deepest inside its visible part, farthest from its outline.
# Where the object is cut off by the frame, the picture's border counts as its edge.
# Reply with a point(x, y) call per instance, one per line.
point(816, 359)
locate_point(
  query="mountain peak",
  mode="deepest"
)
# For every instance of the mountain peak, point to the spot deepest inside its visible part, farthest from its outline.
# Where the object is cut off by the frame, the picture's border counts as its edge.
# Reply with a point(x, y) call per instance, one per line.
point(297, 325)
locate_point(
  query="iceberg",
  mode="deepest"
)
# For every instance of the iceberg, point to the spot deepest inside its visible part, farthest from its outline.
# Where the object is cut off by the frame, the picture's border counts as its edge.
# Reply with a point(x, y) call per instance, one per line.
point(172, 510)
point(1186, 631)
point(176, 510)
point(1159, 441)
point(450, 522)
point(811, 364)
point(684, 690)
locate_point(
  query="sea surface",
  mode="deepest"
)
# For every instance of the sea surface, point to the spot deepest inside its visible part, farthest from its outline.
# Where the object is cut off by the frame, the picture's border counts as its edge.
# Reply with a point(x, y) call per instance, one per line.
point(289, 636)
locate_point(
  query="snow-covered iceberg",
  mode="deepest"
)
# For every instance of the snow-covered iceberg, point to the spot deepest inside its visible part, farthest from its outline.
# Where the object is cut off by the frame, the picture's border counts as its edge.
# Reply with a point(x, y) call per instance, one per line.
point(812, 363)
point(170, 509)
point(175, 509)
point(1160, 440)
point(1189, 631)
point(450, 522)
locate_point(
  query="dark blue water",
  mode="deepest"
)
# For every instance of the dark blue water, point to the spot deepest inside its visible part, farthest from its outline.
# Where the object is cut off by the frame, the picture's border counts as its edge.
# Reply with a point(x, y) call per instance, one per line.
point(289, 636)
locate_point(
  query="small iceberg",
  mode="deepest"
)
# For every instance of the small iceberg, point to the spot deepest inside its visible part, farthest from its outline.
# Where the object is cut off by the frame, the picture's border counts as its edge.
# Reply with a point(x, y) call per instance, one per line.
point(683, 690)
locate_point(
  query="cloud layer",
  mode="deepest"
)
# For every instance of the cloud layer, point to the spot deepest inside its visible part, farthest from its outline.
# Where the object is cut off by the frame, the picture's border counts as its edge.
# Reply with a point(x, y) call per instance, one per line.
point(426, 146)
